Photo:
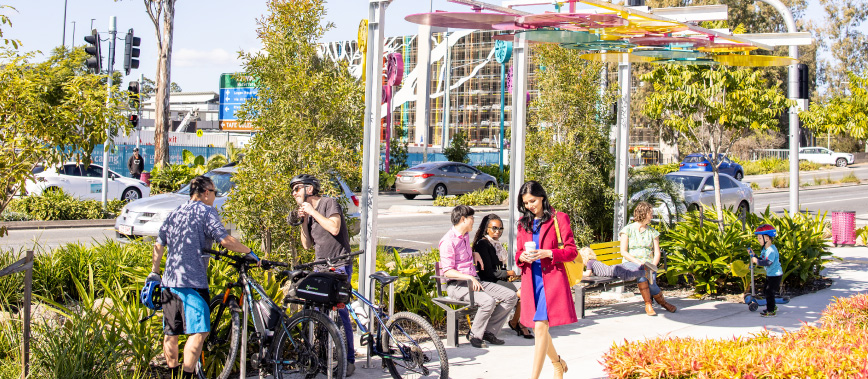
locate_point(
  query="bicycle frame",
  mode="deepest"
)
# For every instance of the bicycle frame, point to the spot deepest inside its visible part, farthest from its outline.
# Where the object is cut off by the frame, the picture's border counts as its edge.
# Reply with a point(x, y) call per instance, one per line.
point(375, 311)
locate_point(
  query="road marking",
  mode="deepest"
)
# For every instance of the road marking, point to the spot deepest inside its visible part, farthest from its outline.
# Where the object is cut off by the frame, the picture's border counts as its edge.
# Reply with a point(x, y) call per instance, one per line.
point(424, 243)
point(823, 202)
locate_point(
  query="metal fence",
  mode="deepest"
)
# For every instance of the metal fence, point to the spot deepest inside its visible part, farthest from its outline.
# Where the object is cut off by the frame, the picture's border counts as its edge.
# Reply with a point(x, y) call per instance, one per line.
point(119, 156)
point(770, 153)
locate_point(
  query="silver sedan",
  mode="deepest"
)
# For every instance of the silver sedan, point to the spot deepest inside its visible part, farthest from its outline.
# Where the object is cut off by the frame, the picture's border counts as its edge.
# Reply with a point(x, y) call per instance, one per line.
point(441, 179)
point(698, 190)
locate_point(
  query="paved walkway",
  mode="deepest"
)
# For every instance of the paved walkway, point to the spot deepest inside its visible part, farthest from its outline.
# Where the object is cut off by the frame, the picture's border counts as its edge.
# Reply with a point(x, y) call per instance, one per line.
point(583, 344)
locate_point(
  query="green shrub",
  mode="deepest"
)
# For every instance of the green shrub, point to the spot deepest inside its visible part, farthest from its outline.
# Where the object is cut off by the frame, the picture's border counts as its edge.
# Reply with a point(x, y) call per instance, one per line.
point(414, 288)
point(774, 165)
point(842, 334)
point(387, 180)
point(8, 215)
point(11, 286)
point(486, 196)
point(780, 182)
point(170, 178)
point(850, 178)
point(494, 170)
point(58, 205)
point(458, 148)
point(709, 257)
point(659, 169)
point(863, 234)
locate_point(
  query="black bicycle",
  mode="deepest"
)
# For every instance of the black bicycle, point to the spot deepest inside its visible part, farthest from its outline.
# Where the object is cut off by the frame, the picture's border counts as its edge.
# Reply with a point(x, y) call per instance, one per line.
point(408, 345)
point(307, 345)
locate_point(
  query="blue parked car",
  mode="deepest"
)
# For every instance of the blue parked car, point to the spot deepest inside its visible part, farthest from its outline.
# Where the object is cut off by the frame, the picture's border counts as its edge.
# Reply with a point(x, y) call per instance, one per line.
point(699, 162)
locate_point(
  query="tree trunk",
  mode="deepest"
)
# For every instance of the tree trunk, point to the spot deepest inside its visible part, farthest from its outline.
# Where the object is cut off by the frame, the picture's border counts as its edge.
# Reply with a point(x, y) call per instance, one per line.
point(164, 78)
point(718, 204)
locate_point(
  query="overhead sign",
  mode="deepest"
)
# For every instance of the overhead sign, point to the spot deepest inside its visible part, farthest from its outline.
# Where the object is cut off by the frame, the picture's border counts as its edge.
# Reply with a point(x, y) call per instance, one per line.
point(235, 91)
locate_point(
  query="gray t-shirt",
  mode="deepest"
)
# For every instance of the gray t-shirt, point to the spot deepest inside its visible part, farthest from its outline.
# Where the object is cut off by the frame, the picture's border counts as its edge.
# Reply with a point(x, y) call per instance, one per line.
point(187, 230)
point(327, 245)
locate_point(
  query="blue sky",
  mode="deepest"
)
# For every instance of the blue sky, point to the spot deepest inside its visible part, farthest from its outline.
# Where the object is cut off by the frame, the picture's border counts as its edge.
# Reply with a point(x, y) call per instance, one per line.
point(208, 34)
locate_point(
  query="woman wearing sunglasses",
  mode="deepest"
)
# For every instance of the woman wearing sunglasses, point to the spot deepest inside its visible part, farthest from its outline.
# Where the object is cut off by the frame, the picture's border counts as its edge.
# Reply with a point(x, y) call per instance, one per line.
point(491, 259)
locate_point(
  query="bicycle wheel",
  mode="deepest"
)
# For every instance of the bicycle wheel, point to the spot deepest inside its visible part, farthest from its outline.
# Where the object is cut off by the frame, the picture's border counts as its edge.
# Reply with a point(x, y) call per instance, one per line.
point(220, 352)
point(314, 344)
point(416, 340)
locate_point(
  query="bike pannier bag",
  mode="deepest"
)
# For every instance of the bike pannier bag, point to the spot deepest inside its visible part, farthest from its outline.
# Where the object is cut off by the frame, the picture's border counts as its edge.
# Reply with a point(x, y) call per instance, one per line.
point(324, 288)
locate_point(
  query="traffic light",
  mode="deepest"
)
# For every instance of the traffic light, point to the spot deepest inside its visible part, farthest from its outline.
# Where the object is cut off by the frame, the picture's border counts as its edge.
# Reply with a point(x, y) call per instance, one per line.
point(134, 90)
point(804, 81)
point(134, 120)
point(93, 62)
point(131, 52)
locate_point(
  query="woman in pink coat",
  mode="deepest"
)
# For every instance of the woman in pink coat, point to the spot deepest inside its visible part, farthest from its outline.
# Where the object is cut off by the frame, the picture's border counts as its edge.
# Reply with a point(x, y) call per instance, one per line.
point(543, 275)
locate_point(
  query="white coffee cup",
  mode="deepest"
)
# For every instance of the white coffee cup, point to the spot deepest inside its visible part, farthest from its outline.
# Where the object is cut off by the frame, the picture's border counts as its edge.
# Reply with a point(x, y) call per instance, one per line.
point(530, 247)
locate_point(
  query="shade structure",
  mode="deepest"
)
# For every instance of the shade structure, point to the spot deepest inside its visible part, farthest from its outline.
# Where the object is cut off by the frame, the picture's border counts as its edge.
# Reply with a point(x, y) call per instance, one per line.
point(559, 36)
point(615, 58)
point(726, 48)
point(582, 20)
point(663, 41)
point(461, 20)
point(754, 60)
point(668, 53)
point(600, 46)
point(687, 61)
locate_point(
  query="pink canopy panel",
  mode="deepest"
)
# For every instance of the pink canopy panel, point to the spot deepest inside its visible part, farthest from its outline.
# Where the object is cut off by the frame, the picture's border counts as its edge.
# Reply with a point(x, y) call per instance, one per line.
point(461, 20)
point(582, 20)
point(670, 41)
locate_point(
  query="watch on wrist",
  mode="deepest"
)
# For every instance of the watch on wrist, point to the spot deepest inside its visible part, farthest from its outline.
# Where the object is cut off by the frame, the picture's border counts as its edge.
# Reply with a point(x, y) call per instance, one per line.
point(158, 272)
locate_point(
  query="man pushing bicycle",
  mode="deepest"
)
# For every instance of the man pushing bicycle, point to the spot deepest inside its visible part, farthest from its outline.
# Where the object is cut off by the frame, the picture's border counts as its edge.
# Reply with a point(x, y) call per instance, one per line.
point(193, 226)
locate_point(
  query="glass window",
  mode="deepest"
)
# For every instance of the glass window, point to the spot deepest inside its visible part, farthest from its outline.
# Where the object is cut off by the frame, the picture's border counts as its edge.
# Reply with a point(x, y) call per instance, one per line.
point(222, 183)
point(466, 170)
point(72, 170)
point(694, 159)
point(725, 183)
point(690, 183)
point(93, 172)
point(449, 168)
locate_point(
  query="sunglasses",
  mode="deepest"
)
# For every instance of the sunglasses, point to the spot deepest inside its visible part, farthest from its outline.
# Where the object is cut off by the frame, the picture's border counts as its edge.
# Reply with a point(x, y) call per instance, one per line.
point(214, 190)
point(297, 188)
point(495, 229)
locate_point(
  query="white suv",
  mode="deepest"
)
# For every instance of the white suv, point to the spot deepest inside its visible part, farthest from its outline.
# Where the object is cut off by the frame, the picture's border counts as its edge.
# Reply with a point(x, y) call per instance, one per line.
point(823, 155)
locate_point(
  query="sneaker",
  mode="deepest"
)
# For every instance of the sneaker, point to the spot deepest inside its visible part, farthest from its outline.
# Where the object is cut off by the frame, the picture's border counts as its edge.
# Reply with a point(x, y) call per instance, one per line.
point(491, 338)
point(477, 343)
point(766, 313)
point(351, 368)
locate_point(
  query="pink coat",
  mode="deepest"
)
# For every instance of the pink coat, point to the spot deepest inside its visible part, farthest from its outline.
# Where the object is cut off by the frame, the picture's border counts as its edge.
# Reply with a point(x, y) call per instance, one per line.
point(559, 299)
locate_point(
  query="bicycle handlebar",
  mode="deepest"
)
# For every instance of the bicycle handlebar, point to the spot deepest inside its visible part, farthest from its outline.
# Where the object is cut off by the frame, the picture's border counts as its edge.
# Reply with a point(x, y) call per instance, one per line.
point(246, 259)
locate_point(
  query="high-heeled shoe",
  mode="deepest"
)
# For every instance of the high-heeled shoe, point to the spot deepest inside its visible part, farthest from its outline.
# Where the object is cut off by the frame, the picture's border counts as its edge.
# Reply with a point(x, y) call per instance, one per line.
point(519, 331)
point(560, 367)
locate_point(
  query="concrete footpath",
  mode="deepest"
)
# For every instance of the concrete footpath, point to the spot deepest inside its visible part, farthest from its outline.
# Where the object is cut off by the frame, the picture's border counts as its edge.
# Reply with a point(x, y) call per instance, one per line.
point(583, 344)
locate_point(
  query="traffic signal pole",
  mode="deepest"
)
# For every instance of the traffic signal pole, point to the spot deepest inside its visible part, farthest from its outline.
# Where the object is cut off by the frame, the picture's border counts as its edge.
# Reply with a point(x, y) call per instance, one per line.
point(139, 112)
point(110, 61)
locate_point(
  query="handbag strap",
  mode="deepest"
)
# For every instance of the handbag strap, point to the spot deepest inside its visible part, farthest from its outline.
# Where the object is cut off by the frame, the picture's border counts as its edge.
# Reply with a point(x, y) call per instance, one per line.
point(558, 232)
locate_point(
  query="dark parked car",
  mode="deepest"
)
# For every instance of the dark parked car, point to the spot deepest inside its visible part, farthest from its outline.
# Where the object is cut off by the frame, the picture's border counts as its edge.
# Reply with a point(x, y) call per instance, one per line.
point(700, 162)
point(441, 179)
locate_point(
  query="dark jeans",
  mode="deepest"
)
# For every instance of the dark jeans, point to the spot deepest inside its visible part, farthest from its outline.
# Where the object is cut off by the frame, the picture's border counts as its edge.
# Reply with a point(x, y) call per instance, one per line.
point(773, 284)
point(345, 318)
point(652, 284)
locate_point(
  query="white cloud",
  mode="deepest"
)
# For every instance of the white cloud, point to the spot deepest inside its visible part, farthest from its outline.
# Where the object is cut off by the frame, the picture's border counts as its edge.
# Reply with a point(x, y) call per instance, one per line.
point(199, 58)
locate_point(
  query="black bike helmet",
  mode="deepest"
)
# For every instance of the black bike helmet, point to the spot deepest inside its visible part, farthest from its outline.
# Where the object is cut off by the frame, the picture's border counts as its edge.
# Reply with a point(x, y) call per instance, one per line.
point(306, 180)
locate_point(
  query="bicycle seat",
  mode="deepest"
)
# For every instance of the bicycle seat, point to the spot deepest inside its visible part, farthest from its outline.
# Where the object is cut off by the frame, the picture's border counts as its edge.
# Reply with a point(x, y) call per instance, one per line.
point(383, 277)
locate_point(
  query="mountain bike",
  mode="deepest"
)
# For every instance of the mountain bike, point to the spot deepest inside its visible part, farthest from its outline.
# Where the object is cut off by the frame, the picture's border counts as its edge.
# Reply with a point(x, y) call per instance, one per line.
point(306, 345)
point(408, 345)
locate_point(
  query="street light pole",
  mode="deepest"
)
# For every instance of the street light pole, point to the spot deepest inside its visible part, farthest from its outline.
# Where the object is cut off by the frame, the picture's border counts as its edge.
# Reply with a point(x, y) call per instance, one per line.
point(792, 93)
point(64, 24)
point(110, 61)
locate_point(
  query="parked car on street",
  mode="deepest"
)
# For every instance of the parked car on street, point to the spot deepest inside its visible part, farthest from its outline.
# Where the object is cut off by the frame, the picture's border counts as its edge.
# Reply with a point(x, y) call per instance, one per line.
point(441, 179)
point(85, 183)
point(698, 190)
point(700, 162)
point(144, 217)
point(823, 155)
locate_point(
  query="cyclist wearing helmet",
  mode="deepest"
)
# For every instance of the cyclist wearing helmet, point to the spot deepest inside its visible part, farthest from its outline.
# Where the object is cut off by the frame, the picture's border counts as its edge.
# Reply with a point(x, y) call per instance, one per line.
point(324, 228)
point(186, 231)
point(770, 259)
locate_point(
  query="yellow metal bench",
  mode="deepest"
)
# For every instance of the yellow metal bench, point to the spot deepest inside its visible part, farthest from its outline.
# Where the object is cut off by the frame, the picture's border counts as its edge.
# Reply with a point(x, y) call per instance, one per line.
point(610, 254)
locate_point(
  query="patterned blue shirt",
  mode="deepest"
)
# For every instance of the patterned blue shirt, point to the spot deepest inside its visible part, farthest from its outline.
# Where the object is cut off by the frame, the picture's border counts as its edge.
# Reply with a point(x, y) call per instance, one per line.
point(187, 230)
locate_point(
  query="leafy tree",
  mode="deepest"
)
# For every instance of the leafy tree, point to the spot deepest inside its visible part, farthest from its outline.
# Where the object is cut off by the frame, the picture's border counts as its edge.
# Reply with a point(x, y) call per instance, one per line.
point(398, 150)
point(842, 113)
point(842, 38)
point(149, 88)
point(568, 143)
point(162, 14)
point(711, 108)
point(307, 118)
point(50, 112)
point(458, 148)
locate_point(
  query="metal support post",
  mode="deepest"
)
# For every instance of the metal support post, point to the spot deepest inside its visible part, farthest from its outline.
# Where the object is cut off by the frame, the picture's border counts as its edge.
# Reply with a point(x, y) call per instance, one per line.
point(447, 101)
point(792, 93)
point(139, 113)
point(371, 151)
point(502, 113)
point(519, 130)
point(423, 90)
point(110, 62)
point(622, 144)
